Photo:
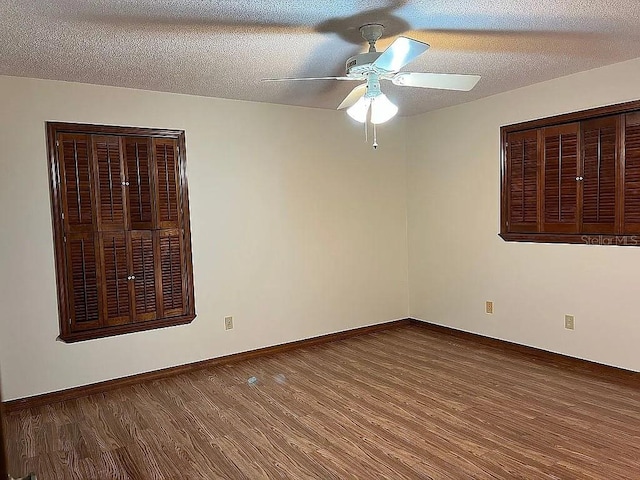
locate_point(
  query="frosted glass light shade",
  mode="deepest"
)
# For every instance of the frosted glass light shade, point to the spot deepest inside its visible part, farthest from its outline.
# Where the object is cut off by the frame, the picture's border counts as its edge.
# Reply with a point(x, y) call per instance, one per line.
point(382, 109)
point(358, 111)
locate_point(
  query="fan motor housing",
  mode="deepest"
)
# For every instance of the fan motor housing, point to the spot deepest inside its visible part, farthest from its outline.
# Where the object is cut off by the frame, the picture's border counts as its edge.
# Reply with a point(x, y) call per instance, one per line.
point(361, 63)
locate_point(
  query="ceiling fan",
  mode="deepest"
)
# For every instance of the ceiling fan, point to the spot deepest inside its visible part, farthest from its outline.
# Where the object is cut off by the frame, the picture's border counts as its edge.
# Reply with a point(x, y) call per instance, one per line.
point(366, 101)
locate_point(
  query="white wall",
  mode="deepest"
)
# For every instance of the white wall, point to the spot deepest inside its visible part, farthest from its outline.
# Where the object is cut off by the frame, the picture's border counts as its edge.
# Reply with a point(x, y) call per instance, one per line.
point(298, 229)
point(457, 261)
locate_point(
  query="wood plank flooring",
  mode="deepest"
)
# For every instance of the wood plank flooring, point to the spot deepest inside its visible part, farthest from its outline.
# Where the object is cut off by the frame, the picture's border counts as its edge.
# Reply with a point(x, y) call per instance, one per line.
point(402, 403)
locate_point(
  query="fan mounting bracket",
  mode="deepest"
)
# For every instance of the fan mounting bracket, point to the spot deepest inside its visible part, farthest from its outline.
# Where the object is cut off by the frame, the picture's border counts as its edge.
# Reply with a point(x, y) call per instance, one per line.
point(372, 32)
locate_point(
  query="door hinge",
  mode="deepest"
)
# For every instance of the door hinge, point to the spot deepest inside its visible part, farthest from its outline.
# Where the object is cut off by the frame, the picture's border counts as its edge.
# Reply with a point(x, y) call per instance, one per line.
point(69, 321)
point(57, 143)
point(62, 215)
point(65, 239)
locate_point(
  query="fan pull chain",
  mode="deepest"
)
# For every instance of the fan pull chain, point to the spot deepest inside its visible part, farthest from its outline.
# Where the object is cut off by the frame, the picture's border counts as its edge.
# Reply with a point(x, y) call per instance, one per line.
point(375, 137)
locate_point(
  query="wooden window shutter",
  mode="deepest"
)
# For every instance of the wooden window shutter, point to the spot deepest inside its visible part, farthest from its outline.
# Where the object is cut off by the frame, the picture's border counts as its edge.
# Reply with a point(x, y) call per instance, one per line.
point(76, 179)
point(560, 190)
point(140, 178)
point(110, 176)
point(83, 272)
point(121, 229)
point(599, 159)
point(116, 278)
point(631, 177)
point(144, 270)
point(588, 178)
point(165, 155)
point(522, 173)
point(173, 292)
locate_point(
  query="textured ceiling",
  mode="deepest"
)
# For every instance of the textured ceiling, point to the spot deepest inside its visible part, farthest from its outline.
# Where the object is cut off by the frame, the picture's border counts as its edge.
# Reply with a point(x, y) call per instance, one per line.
point(223, 48)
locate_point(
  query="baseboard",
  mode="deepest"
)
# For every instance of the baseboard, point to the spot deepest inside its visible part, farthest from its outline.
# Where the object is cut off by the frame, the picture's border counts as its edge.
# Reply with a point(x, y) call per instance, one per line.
point(619, 375)
point(102, 387)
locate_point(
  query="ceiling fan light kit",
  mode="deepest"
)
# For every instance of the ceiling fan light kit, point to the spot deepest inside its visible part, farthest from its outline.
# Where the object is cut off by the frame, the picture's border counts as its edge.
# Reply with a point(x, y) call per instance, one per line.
point(382, 109)
point(366, 101)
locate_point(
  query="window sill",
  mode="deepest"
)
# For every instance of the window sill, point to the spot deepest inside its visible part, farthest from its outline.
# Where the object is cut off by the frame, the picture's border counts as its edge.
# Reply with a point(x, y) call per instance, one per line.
point(580, 239)
point(80, 336)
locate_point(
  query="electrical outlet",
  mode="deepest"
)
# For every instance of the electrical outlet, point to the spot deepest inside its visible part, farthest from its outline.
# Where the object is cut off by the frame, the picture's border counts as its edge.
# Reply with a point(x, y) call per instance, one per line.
point(569, 322)
point(228, 323)
point(488, 307)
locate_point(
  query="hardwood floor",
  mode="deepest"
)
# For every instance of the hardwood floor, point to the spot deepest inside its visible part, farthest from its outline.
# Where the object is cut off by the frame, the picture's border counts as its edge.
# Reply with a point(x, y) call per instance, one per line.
point(401, 403)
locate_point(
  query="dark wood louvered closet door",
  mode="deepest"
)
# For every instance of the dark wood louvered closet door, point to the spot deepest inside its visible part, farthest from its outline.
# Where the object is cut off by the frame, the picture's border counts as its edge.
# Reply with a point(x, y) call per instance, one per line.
point(631, 177)
point(598, 175)
point(522, 165)
point(560, 167)
point(123, 245)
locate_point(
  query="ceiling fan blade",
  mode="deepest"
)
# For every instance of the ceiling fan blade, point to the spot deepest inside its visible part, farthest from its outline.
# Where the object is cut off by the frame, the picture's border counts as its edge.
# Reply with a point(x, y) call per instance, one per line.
point(443, 81)
point(293, 79)
point(402, 51)
point(353, 97)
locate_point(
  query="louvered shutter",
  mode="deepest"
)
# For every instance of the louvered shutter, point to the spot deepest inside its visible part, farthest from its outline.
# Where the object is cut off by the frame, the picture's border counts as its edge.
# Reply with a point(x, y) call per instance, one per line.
point(599, 158)
point(166, 160)
point(137, 152)
point(122, 240)
point(82, 271)
point(560, 167)
point(172, 274)
point(116, 278)
point(76, 178)
point(110, 177)
point(144, 268)
point(631, 208)
point(522, 174)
